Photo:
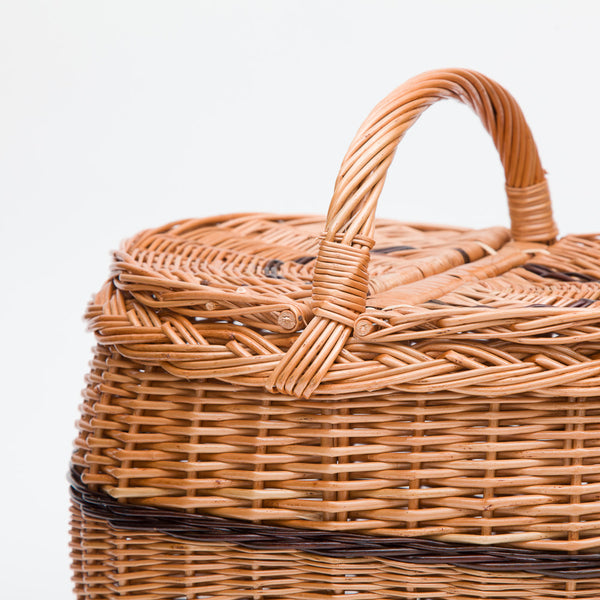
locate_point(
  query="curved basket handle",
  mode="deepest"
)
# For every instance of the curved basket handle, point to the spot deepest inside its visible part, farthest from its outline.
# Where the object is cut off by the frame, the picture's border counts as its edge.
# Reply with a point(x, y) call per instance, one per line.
point(341, 276)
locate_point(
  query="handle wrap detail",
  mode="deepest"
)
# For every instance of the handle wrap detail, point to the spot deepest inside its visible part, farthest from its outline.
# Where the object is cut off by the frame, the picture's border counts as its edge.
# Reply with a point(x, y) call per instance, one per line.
point(340, 282)
point(531, 212)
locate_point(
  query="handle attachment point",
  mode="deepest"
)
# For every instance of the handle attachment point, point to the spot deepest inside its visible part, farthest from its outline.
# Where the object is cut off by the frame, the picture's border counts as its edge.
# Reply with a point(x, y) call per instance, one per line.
point(531, 212)
point(341, 271)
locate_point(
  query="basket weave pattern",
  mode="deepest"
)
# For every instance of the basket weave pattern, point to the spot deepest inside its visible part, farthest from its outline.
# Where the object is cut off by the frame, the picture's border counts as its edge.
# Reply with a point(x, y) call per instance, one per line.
point(349, 375)
point(478, 420)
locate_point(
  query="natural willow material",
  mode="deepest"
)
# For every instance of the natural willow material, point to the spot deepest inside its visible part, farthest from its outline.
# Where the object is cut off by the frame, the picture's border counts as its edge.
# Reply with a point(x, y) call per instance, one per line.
point(349, 375)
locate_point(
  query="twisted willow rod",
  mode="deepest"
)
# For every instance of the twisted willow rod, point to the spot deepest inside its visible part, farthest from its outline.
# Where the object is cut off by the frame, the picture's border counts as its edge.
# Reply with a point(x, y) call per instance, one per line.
point(203, 528)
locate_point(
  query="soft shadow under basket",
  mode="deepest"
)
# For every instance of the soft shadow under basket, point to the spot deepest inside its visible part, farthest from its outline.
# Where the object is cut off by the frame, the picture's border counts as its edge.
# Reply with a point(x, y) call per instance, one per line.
point(291, 407)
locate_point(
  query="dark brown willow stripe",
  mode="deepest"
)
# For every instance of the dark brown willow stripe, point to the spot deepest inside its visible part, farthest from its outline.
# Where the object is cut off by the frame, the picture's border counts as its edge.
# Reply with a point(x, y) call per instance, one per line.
point(202, 528)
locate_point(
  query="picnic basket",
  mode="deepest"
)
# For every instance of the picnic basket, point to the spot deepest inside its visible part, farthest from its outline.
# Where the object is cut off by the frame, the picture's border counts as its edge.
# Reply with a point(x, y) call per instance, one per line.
point(321, 408)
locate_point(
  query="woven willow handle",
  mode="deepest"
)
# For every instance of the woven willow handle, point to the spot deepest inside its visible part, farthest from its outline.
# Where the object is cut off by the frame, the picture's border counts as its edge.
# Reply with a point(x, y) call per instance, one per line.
point(341, 277)
point(364, 167)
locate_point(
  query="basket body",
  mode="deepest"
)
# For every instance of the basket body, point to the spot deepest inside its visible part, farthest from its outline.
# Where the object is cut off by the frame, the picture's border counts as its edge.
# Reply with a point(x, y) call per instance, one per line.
point(383, 410)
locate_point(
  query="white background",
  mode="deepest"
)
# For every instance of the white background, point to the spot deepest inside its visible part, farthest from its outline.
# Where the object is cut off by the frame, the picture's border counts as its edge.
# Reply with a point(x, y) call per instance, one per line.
point(118, 116)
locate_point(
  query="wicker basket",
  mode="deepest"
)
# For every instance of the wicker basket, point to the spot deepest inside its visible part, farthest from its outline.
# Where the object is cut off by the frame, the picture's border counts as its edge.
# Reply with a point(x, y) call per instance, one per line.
point(293, 407)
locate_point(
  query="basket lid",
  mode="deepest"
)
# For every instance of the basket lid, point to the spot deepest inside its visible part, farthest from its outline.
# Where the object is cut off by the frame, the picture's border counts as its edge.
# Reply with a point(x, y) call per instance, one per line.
point(304, 305)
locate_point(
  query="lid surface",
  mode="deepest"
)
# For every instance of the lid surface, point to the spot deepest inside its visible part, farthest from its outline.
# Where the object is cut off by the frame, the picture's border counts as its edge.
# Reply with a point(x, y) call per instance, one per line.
point(227, 296)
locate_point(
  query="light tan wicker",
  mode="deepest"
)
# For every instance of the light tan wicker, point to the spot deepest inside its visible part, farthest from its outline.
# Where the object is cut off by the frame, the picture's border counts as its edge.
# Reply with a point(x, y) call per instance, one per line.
point(297, 407)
